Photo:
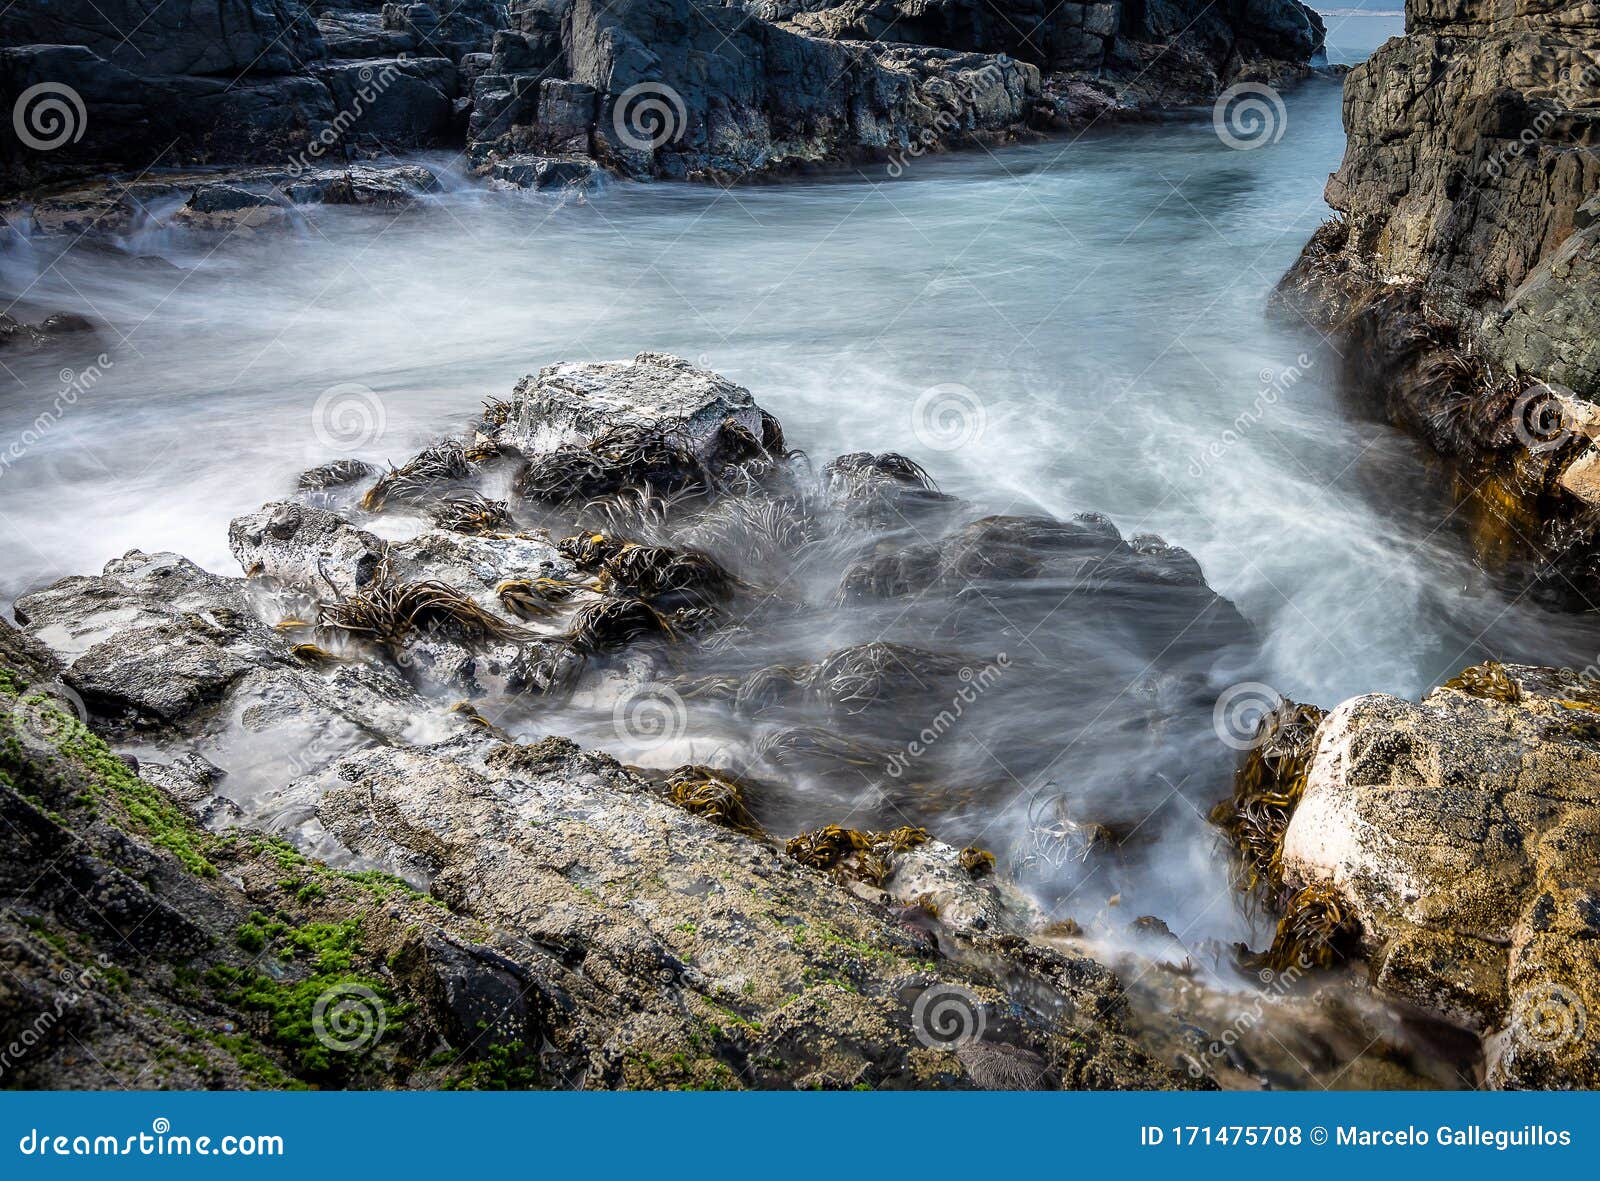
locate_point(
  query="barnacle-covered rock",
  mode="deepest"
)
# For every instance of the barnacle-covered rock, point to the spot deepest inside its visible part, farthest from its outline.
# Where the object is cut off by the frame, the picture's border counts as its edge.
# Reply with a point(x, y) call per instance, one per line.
point(1462, 835)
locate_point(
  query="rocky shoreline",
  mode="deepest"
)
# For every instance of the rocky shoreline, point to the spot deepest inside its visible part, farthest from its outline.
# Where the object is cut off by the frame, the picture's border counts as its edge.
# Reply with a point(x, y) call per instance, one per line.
point(1456, 279)
point(321, 858)
point(284, 97)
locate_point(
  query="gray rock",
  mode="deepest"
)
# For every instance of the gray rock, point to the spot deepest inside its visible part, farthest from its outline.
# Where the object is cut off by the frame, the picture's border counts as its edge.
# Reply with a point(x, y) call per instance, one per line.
point(576, 402)
point(1462, 833)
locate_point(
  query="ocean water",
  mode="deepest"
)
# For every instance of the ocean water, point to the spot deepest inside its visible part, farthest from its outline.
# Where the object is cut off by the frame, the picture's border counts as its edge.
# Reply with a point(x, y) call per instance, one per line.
point(1064, 326)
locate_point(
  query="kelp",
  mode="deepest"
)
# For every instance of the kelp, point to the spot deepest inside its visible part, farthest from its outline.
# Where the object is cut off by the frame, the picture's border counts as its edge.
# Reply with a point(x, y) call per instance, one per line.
point(534, 598)
point(1266, 789)
point(1488, 680)
point(852, 855)
point(438, 467)
point(653, 457)
point(388, 612)
point(473, 513)
point(718, 796)
point(611, 624)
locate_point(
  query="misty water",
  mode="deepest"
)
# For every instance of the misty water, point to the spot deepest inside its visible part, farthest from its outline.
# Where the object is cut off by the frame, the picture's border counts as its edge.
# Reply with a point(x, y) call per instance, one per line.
point(1093, 306)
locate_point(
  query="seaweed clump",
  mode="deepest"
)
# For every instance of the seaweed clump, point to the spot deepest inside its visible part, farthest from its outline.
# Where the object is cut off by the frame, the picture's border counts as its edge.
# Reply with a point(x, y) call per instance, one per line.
point(1266, 790)
point(472, 513)
point(718, 796)
point(1313, 928)
point(440, 466)
point(1489, 680)
point(650, 456)
point(611, 624)
point(388, 611)
point(977, 862)
point(852, 855)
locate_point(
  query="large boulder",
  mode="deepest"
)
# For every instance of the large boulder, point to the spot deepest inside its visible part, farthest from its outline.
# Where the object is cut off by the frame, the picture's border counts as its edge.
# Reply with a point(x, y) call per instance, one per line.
point(1461, 834)
point(576, 402)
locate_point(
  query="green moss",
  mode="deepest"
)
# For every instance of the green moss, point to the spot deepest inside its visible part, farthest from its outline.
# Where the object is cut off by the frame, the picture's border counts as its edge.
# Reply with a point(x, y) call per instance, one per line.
point(317, 880)
point(138, 805)
point(503, 1067)
point(296, 1010)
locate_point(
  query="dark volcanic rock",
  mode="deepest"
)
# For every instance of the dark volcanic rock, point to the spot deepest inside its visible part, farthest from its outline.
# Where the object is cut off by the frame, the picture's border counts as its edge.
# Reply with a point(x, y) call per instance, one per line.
point(1462, 269)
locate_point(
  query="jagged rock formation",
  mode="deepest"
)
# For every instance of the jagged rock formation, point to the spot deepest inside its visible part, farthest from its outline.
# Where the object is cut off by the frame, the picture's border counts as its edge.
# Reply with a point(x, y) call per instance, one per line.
point(316, 818)
point(546, 915)
point(1462, 834)
point(1462, 267)
point(726, 90)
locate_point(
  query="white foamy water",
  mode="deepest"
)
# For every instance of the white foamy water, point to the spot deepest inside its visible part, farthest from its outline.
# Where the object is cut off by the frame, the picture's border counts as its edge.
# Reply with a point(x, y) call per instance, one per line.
point(1094, 308)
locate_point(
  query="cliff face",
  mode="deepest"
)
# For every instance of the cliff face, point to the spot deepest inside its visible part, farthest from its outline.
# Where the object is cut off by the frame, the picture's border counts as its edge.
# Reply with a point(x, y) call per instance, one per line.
point(1463, 268)
point(1471, 149)
point(649, 87)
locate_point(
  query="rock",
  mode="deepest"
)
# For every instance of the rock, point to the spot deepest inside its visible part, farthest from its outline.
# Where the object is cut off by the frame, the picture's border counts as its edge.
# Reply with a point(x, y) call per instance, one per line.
point(215, 37)
point(1462, 833)
point(678, 96)
point(675, 921)
point(306, 547)
point(155, 644)
point(410, 103)
point(228, 208)
point(544, 172)
point(577, 402)
point(14, 334)
point(1460, 273)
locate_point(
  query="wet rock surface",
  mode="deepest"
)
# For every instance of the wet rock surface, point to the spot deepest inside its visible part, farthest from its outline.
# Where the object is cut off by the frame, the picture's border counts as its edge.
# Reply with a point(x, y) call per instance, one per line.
point(372, 692)
point(1462, 833)
point(1458, 275)
point(668, 88)
point(837, 890)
